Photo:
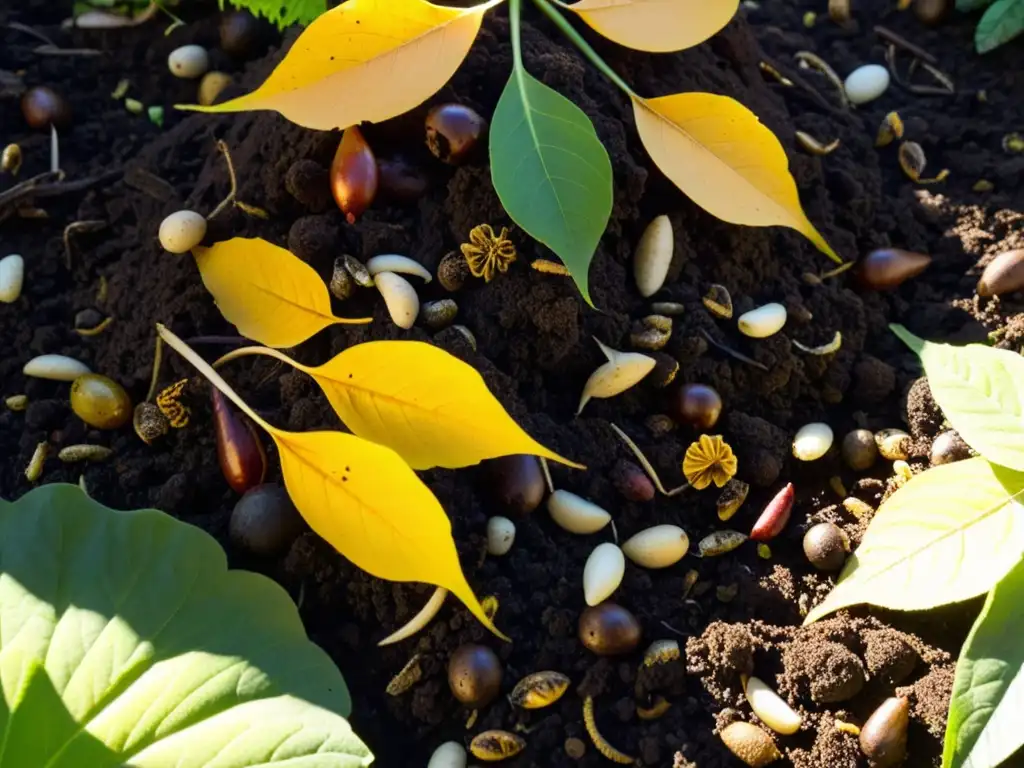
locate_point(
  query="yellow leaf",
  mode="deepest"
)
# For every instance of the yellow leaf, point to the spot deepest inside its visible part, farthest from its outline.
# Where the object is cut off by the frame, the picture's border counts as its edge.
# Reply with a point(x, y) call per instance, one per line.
point(429, 406)
point(268, 293)
point(718, 153)
point(656, 25)
point(363, 500)
point(365, 60)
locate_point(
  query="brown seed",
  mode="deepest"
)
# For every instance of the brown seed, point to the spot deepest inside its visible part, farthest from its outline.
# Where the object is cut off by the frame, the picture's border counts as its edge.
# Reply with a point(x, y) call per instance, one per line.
point(239, 450)
point(949, 447)
point(887, 268)
point(631, 482)
point(516, 482)
point(609, 630)
point(1004, 274)
point(453, 132)
point(932, 12)
point(825, 546)
point(452, 271)
point(697, 405)
point(400, 180)
point(883, 738)
point(354, 175)
point(100, 401)
point(264, 521)
point(859, 449)
point(474, 675)
point(242, 35)
point(43, 107)
point(575, 748)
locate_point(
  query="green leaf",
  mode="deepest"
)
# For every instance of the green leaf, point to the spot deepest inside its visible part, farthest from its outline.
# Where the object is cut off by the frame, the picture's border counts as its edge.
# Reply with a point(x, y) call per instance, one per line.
point(949, 534)
point(1002, 22)
point(981, 391)
point(971, 5)
point(551, 172)
point(282, 12)
point(127, 642)
point(983, 729)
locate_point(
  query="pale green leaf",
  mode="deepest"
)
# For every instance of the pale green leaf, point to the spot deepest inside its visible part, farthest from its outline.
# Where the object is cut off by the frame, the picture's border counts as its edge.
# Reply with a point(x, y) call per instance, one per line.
point(551, 172)
point(984, 729)
point(949, 534)
point(981, 391)
point(1002, 22)
point(126, 641)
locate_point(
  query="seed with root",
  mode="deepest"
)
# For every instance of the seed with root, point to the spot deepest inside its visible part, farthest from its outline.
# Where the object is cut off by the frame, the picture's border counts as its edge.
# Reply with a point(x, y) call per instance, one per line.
point(731, 498)
point(492, 746)
point(718, 301)
point(410, 674)
point(890, 129)
point(439, 314)
point(750, 744)
point(825, 349)
point(17, 402)
point(720, 542)
point(814, 146)
point(657, 547)
point(34, 470)
point(660, 706)
point(149, 422)
point(541, 689)
point(600, 742)
point(392, 262)
point(420, 620)
point(653, 256)
point(770, 707)
point(603, 572)
point(893, 444)
point(661, 652)
point(575, 514)
point(73, 453)
point(622, 371)
point(400, 297)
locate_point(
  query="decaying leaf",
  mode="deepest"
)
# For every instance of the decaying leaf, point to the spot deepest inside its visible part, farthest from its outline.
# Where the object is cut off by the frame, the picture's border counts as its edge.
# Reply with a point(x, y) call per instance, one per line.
point(655, 25)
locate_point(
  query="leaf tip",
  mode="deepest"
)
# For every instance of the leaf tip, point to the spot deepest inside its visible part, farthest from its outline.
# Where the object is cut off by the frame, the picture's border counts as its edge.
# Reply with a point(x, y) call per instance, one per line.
point(914, 342)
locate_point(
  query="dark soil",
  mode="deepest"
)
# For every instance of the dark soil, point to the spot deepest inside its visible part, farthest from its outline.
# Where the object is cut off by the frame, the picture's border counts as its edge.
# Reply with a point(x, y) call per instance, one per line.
point(535, 352)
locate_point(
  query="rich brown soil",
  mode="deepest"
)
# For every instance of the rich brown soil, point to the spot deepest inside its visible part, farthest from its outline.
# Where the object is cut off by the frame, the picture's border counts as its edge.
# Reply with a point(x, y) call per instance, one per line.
point(535, 352)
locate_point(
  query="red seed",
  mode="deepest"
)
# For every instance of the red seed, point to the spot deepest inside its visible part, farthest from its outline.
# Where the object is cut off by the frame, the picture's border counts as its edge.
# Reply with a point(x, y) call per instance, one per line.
point(775, 516)
point(354, 175)
point(887, 268)
point(239, 449)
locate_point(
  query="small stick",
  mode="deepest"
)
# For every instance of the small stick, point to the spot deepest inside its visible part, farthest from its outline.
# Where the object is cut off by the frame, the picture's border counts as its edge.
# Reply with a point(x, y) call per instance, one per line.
point(822, 66)
point(47, 184)
point(158, 355)
point(547, 473)
point(805, 87)
point(889, 36)
point(730, 351)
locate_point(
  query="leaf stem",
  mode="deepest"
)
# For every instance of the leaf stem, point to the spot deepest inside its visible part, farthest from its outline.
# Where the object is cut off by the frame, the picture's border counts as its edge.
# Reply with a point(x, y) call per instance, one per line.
point(549, 10)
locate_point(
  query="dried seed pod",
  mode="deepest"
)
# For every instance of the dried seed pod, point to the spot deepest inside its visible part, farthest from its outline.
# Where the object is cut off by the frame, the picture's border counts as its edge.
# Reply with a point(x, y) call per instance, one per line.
point(451, 754)
point(733, 494)
point(912, 159)
point(657, 547)
point(17, 402)
point(264, 522)
point(239, 450)
point(402, 301)
point(516, 483)
point(603, 572)
point(697, 405)
point(10, 160)
point(775, 515)
point(609, 630)
point(890, 129)
point(653, 256)
point(857, 507)
point(541, 689)
point(859, 449)
point(43, 107)
point(660, 706)
point(354, 176)
point(474, 675)
point(750, 744)
point(668, 308)
point(73, 453)
point(501, 532)
point(439, 314)
point(100, 401)
point(452, 271)
point(211, 86)
point(770, 707)
point(718, 301)
point(182, 231)
point(763, 322)
point(410, 674)
point(400, 180)
point(342, 285)
point(825, 546)
point(392, 262)
point(893, 444)
point(661, 652)
point(34, 470)
point(949, 447)
point(55, 368)
point(576, 514)
point(622, 371)
point(812, 441)
point(606, 749)
point(12, 277)
point(149, 422)
point(630, 481)
point(814, 146)
point(492, 746)
point(866, 83)
point(883, 738)
point(1004, 274)
point(454, 132)
point(720, 542)
point(888, 268)
point(188, 61)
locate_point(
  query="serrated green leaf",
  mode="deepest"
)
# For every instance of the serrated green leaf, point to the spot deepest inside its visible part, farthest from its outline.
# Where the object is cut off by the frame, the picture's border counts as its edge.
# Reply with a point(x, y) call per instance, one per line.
point(282, 12)
point(971, 5)
point(983, 729)
point(1002, 22)
point(981, 391)
point(552, 174)
point(949, 534)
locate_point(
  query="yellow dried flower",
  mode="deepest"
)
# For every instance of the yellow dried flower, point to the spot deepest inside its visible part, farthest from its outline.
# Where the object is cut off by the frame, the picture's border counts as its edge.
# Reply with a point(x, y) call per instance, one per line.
point(486, 251)
point(709, 459)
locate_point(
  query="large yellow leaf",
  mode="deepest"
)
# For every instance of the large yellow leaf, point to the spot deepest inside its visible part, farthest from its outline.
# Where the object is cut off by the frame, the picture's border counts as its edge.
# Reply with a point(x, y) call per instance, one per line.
point(365, 60)
point(429, 406)
point(718, 153)
point(363, 499)
point(267, 292)
point(656, 25)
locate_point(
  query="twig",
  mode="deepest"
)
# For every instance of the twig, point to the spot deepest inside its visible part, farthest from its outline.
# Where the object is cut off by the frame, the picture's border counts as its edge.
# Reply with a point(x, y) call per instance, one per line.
point(32, 32)
point(818, 63)
point(888, 35)
point(730, 351)
point(805, 87)
point(78, 226)
point(45, 185)
point(231, 200)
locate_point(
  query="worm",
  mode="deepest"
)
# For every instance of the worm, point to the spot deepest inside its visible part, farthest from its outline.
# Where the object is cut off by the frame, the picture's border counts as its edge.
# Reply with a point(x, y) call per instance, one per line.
point(420, 620)
point(602, 745)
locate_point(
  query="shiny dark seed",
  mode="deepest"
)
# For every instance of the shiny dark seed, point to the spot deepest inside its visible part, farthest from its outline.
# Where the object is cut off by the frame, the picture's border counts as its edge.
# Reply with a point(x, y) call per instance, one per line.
point(43, 107)
point(242, 35)
point(454, 132)
point(516, 483)
point(609, 630)
point(474, 675)
point(949, 447)
point(825, 546)
point(264, 521)
point(697, 405)
point(887, 268)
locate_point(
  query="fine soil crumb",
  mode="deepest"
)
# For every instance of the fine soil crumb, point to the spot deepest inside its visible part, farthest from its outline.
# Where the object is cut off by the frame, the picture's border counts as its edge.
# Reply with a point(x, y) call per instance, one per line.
point(827, 671)
point(889, 657)
point(832, 747)
point(923, 414)
point(720, 656)
point(929, 699)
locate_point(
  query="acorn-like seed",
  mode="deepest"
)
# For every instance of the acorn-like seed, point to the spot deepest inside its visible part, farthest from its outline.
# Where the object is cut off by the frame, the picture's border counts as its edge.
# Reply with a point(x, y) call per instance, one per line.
point(188, 61)
point(763, 322)
point(653, 256)
point(949, 447)
point(149, 422)
point(264, 521)
point(452, 271)
point(541, 689)
point(825, 546)
point(42, 107)
point(812, 441)
point(400, 180)
point(242, 34)
point(603, 572)
point(770, 707)
point(182, 231)
point(439, 314)
point(657, 547)
point(630, 481)
point(888, 268)
point(492, 746)
point(775, 516)
point(100, 401)
point(12, 277)
point(576, 514)
point(859, 449)
point(211, 86)
point(1004, 274)
point(883, 738)
point(451, 754)
point(697, 405)
point(401, 298)
point(453, 132)
point(750, 744)
point(353, 176)
point(474, 675)
point(239, 450)
point(609, 630)
point(501, 532)
point(516, 483)
point(893, 444)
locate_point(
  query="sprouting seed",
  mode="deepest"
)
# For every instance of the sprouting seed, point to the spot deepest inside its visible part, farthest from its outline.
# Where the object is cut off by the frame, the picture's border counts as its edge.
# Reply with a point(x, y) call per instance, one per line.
point(808, 59)
point(73, 453)
point(622, 371)
point(600, 742)
point(719, 543)
point(814, 146)
point(169, 403)
point(491, 746)
point(718, 301)
point(97, 329)
point(17, 402)
point(410, 674)
point(34, 470)
point(420, 620)
point(890, 129)
point(540, 689)
point(825, 349)
point(660, 706)
point(768, 69)
point(388, 262)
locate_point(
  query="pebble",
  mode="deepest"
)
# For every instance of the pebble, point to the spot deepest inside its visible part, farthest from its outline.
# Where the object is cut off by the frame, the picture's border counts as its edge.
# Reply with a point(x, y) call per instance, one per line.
point(866, 83)
point(55, 368)
point(188, 61)
point(603, 572)
point(653, 256)
point(812, 441)
point(12, 276)
point(763, 322)
point(501, 532)
point(400, 297)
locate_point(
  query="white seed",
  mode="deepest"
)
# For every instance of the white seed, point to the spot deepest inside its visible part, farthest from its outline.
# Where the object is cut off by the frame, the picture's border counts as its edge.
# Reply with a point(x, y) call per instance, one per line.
point(763, 322)
point(12, 275)
point(812, 441)
point(866, 83)
point(400, 297)
point(394, 263)
point(182, 231)
point(603, 572)
point(657, 547)
point(188, 61)
point(622, 371)
point(575, 514)
point(451, 754)
point(653, 256)
point(771, 708)
point(55, 367)
point(501, 532)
